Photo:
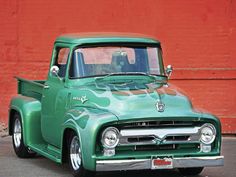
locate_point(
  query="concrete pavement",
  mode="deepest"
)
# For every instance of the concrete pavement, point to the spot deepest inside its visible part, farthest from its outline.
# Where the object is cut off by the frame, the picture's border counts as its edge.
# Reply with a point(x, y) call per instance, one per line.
point(11, 166)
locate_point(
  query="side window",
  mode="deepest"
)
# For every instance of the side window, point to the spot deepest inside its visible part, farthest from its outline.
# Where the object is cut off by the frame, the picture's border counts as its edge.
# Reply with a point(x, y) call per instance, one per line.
point(61, 60)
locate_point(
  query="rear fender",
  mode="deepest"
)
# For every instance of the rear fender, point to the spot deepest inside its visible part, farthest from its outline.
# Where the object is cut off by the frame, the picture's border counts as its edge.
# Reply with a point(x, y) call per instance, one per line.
point(30, 112)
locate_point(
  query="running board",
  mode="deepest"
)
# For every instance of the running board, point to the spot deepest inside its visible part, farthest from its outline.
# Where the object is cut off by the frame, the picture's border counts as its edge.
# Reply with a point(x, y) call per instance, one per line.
point(48, 151)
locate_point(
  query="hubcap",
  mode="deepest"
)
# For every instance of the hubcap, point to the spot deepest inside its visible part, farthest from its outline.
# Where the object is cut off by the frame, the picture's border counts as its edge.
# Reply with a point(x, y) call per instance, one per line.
point(75, 153)
point(17, 133)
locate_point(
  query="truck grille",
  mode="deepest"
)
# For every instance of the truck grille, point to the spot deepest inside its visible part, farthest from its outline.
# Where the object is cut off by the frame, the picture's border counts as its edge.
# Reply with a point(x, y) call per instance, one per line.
point(152, 124)
point(160, 135)
point(150, 139)
point(165, 147)
point(153, 147)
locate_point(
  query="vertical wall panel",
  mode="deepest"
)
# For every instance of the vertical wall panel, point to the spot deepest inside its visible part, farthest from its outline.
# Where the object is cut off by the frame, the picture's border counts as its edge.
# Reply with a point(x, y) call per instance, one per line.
point(198, 39)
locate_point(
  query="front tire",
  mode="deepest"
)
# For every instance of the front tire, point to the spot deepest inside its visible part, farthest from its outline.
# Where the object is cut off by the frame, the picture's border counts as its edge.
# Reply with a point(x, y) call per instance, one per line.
point(190, 171)
point(75, 158)
point(17, 138)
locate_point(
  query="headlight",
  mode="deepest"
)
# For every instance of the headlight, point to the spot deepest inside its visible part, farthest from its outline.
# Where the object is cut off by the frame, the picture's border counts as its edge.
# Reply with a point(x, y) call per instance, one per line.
point(208, 133)
point(110, 137)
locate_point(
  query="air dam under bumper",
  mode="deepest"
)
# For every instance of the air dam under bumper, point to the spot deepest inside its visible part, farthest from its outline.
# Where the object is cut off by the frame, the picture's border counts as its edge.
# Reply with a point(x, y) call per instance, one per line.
point(141, 164)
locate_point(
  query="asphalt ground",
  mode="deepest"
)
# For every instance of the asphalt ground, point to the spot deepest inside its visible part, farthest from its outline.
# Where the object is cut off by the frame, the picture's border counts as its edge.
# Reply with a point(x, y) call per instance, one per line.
point(11, 166)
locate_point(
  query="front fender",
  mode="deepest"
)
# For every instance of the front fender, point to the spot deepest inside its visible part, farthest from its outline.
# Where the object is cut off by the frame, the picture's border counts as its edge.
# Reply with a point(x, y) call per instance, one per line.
point(87, 122)
point(30, 112)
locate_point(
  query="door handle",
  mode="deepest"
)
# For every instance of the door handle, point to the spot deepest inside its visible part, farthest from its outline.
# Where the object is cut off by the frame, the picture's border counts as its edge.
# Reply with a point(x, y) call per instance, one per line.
point(46, 87)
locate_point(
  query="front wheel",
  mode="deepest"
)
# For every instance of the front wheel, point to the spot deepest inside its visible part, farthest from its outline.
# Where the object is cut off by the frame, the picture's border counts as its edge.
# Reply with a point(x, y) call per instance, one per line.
point(17, 138)
point(75, 158)
point(190, 171)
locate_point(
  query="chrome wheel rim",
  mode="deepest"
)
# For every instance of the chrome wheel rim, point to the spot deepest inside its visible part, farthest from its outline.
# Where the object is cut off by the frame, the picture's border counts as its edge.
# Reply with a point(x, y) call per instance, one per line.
point(17, 133)
point(75, 153)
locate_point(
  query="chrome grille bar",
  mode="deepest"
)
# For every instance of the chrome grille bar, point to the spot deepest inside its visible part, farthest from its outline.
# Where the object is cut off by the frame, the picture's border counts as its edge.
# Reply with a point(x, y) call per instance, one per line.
point(156, 124)
point(158, 136)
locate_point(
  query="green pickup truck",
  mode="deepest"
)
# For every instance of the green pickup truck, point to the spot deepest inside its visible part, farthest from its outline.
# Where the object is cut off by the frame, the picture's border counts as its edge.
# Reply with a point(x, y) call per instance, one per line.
point(107, 106)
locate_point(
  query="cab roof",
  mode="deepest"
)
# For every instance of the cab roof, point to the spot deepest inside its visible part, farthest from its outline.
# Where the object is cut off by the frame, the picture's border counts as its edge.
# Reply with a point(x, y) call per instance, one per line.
point(96, 38)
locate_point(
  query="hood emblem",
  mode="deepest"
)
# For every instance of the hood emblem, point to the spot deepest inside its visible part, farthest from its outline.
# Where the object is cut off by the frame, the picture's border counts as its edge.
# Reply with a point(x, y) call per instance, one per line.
point(160, 106)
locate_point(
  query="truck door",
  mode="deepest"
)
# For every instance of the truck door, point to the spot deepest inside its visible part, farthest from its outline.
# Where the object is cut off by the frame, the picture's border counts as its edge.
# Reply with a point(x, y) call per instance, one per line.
point(53, 99)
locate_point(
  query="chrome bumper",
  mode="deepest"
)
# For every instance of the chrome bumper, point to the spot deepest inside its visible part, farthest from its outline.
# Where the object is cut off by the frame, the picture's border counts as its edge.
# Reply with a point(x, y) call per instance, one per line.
point(141, 164)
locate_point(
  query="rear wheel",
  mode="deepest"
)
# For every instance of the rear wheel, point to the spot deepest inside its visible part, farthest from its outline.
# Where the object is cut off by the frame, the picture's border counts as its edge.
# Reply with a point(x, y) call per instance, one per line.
point(190, 171)
point(17, 138)
point(75, 158)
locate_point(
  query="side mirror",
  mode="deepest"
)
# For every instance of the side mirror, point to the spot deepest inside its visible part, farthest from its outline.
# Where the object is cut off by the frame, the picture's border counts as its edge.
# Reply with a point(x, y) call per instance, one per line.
point(169, 70)
point(54, 71)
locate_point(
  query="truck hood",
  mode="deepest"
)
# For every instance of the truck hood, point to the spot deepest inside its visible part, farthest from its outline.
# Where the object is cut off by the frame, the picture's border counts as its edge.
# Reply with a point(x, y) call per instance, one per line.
point(138, 100)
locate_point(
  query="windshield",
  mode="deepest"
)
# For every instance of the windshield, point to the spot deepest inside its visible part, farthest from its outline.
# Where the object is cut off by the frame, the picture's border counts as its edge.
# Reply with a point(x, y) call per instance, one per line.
point(100, 61)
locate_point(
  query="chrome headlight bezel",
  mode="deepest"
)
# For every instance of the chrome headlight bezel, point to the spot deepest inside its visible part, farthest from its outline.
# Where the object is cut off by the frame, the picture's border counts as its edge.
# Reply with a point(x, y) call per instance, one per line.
point(115, 134)
point(207, 130)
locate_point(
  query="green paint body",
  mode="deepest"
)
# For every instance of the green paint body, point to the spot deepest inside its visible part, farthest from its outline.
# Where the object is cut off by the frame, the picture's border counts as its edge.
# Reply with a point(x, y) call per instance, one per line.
point(47, 112)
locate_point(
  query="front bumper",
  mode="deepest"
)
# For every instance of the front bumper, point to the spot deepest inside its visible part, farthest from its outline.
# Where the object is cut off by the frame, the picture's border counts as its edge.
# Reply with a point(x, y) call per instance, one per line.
point(141, 164)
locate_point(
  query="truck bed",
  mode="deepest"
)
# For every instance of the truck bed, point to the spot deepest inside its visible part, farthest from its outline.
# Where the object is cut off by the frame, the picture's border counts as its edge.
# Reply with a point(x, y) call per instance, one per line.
point(31, 88)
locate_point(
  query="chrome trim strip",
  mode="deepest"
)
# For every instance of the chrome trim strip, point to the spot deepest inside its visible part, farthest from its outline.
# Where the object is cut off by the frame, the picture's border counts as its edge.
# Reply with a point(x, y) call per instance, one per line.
point(198, 161)
point(118, 165)
point(159, 135)
point(155, 124)
point(141, 164)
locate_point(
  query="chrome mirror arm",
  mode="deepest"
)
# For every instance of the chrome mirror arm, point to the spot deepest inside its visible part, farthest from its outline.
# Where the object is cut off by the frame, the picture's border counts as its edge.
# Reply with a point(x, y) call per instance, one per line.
point(54, 70)
point(169, 70)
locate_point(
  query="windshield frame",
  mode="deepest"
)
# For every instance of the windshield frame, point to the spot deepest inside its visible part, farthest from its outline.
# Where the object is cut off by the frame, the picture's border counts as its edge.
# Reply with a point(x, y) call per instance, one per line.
point(119, 44)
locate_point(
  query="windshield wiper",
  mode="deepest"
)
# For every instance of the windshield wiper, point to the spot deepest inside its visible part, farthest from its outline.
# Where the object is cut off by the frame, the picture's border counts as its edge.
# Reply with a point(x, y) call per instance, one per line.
point(126, 73)
point(104, 76)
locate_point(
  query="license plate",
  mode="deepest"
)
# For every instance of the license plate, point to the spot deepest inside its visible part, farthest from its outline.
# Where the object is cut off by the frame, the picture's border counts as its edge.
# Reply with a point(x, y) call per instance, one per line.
point(166, 163)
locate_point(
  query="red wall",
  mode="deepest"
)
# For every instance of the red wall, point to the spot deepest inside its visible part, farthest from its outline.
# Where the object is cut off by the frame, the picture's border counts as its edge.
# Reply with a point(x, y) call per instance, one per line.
point(198, 39)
